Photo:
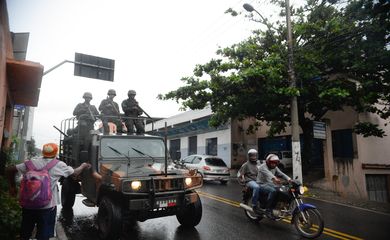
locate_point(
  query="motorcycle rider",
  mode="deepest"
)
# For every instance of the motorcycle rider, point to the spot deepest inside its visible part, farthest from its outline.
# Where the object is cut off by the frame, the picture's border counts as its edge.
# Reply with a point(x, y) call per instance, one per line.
point(248, 174)
point(269, 178)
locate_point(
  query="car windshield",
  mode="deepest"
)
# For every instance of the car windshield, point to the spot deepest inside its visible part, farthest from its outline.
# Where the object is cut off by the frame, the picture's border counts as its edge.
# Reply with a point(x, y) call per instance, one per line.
point(121, 147)
point(218, 162)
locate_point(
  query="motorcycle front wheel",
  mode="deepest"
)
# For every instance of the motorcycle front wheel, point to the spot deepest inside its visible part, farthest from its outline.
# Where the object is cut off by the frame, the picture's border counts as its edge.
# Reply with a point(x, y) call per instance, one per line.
point(309, 223)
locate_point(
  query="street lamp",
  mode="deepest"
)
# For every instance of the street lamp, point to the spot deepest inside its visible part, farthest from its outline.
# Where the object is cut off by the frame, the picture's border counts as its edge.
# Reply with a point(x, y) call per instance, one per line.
point(295, 143)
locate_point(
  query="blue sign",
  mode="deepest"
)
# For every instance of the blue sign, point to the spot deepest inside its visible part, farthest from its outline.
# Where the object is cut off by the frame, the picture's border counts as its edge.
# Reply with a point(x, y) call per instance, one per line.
point(19, 107)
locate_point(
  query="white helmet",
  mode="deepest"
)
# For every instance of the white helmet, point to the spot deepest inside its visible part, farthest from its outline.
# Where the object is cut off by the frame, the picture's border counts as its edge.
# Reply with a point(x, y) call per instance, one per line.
point(252, 151)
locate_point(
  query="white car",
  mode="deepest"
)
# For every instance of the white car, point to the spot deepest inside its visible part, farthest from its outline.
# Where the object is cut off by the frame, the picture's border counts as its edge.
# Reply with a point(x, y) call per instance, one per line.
point(212, 168)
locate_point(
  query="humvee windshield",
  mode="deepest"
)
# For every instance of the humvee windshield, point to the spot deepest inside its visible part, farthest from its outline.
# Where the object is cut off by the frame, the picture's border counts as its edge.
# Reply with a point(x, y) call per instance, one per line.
point(132, 148)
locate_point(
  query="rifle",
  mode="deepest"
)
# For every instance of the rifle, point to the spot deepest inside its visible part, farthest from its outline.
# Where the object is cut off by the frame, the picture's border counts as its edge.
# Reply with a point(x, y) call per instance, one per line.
point(60, 131)
point(90, 113)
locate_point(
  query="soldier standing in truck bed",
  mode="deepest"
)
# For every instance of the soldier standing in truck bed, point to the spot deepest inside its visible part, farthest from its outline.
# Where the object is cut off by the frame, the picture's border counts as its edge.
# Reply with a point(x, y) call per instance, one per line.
point(110, 112)
point(86, 115)
point(133, 111)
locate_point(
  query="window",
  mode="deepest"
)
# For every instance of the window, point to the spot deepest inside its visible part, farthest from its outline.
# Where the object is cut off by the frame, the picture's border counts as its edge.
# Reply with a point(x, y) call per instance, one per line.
point(174, 149)
point(217, 162)
point(211, 146)
point(378, 187)
point(197, 160)
point(188, 159)
point(342, 144)
point(192, 145)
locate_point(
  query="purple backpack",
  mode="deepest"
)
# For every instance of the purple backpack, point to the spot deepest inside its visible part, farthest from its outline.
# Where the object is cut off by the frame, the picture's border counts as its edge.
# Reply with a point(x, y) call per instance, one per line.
point(35, 188)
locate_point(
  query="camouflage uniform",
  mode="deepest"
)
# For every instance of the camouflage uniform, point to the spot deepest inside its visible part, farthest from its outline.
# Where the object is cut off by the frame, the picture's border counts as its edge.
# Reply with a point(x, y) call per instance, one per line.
point(86, 116)
point(110, 113)
point(132, 110)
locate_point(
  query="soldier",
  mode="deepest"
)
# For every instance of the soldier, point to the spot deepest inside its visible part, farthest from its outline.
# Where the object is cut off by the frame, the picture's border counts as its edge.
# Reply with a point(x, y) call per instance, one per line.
point(110, 112)
point(133, 111)
point(86, 115)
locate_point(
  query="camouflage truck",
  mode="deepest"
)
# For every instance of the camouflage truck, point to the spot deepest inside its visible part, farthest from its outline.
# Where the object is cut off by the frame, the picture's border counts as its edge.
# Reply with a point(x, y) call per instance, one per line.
point(131, 179)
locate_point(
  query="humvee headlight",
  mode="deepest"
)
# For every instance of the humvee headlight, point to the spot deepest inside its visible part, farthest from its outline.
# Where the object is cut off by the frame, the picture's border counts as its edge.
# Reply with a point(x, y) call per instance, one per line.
point(188, 181)
point(135, 185)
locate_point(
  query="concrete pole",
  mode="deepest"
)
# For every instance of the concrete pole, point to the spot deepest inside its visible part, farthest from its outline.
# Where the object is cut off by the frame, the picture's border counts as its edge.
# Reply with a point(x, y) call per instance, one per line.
point(295, 143)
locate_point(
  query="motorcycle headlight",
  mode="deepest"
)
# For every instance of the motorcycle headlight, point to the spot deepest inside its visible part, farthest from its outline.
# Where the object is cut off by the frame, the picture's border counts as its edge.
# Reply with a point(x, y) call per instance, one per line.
point(301, 190)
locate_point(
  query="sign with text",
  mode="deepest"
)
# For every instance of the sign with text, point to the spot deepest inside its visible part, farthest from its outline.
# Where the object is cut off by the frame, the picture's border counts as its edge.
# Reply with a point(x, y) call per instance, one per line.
point(319, 130)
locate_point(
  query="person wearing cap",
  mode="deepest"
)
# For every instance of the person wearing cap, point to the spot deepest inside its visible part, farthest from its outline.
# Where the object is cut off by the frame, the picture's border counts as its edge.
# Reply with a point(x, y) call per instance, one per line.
point(85, 114)
point(132, 110)
point(110, 112)
point(269, 178)
point(45, 217)
point(248, 175)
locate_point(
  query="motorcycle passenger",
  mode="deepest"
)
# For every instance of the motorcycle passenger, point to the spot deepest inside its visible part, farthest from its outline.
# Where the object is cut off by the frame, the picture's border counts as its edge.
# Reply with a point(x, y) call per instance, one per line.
point(248, 174)
point(269, 178)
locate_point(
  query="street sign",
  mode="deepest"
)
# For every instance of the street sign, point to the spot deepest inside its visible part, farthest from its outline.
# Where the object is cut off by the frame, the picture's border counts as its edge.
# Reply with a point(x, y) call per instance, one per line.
point(319, 129)
point(19, 107)
point(94, 67)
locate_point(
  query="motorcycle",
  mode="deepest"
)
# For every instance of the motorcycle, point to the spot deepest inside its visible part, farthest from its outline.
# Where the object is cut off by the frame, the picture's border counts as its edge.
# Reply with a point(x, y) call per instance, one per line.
point(289, 206)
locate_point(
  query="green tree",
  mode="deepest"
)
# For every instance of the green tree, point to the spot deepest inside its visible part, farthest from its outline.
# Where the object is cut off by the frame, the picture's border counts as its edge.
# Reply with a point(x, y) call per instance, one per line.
point(341, 58)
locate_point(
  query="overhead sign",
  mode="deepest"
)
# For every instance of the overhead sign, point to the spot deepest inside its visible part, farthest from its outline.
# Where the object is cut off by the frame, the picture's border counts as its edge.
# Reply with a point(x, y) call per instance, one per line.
point(319, 130)
point(94, 67)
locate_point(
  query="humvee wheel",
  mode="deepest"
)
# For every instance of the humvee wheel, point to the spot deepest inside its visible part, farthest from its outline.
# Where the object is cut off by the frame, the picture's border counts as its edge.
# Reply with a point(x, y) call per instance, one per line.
point(191, 215)
point(109, 219)
point(68, 193)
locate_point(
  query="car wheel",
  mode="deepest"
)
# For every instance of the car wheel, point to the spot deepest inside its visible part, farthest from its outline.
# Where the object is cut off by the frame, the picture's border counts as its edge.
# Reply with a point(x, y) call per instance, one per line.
point(68, 193)
point(109, 219)
point(190, 215)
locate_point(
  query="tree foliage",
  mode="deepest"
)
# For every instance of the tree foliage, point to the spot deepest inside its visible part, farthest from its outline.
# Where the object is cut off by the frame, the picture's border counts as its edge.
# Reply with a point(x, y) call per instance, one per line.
point(341, 58)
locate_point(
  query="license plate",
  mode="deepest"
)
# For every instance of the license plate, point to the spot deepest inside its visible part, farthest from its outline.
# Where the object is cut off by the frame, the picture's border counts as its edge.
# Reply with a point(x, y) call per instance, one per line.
point(166, 203)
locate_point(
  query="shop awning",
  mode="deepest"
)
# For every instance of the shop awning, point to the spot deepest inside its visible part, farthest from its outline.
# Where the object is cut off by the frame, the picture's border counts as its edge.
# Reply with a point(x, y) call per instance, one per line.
point(24, 79)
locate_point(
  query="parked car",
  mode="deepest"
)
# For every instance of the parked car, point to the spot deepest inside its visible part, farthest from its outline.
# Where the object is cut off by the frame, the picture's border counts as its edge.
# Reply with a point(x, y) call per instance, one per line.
point(212, 168)
point(285, 159)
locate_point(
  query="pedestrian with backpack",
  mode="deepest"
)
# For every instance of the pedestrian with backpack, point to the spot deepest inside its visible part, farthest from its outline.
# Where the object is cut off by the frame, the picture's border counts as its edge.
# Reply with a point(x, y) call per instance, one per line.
point(39, 195)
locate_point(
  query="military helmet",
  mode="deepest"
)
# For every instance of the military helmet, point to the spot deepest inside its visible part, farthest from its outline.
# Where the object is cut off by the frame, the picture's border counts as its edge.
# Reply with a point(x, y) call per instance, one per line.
point(111, 92)
point(87, 95)
point(131, 92)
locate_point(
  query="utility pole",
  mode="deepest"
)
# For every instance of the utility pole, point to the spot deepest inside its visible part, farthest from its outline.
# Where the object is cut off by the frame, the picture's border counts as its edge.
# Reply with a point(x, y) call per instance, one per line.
point(295, 143)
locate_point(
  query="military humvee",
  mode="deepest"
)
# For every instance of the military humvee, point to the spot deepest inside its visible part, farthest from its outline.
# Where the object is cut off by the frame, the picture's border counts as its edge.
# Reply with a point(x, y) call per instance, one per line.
point(131, 179)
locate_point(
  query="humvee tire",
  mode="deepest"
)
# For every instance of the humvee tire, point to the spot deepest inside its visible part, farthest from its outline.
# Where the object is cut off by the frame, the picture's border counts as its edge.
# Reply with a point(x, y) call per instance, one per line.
point(191, 215)
point(109, 219)
point(68, 193)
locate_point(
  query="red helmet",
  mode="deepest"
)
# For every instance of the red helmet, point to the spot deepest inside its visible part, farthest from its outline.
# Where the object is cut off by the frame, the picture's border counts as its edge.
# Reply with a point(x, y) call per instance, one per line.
point(272, 158)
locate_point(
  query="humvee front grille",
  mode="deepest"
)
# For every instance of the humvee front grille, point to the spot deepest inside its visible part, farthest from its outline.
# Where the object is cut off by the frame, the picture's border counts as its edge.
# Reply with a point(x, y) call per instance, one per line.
point(163, 185)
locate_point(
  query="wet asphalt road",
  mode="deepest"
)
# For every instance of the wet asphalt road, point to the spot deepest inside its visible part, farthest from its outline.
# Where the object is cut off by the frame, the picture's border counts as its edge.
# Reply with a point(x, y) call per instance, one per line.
point(222, 219)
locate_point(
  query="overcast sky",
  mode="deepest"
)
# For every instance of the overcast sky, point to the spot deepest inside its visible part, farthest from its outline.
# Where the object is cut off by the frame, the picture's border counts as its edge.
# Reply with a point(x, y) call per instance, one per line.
point(154, 44)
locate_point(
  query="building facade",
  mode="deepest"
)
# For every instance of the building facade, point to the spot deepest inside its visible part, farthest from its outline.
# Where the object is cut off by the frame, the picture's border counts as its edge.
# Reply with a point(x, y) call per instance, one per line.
point(20, 81)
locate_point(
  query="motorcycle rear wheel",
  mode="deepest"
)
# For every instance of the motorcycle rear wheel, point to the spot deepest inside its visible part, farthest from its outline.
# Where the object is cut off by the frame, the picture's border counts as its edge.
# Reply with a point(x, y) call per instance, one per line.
point(311, 225)
point(253, 217)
